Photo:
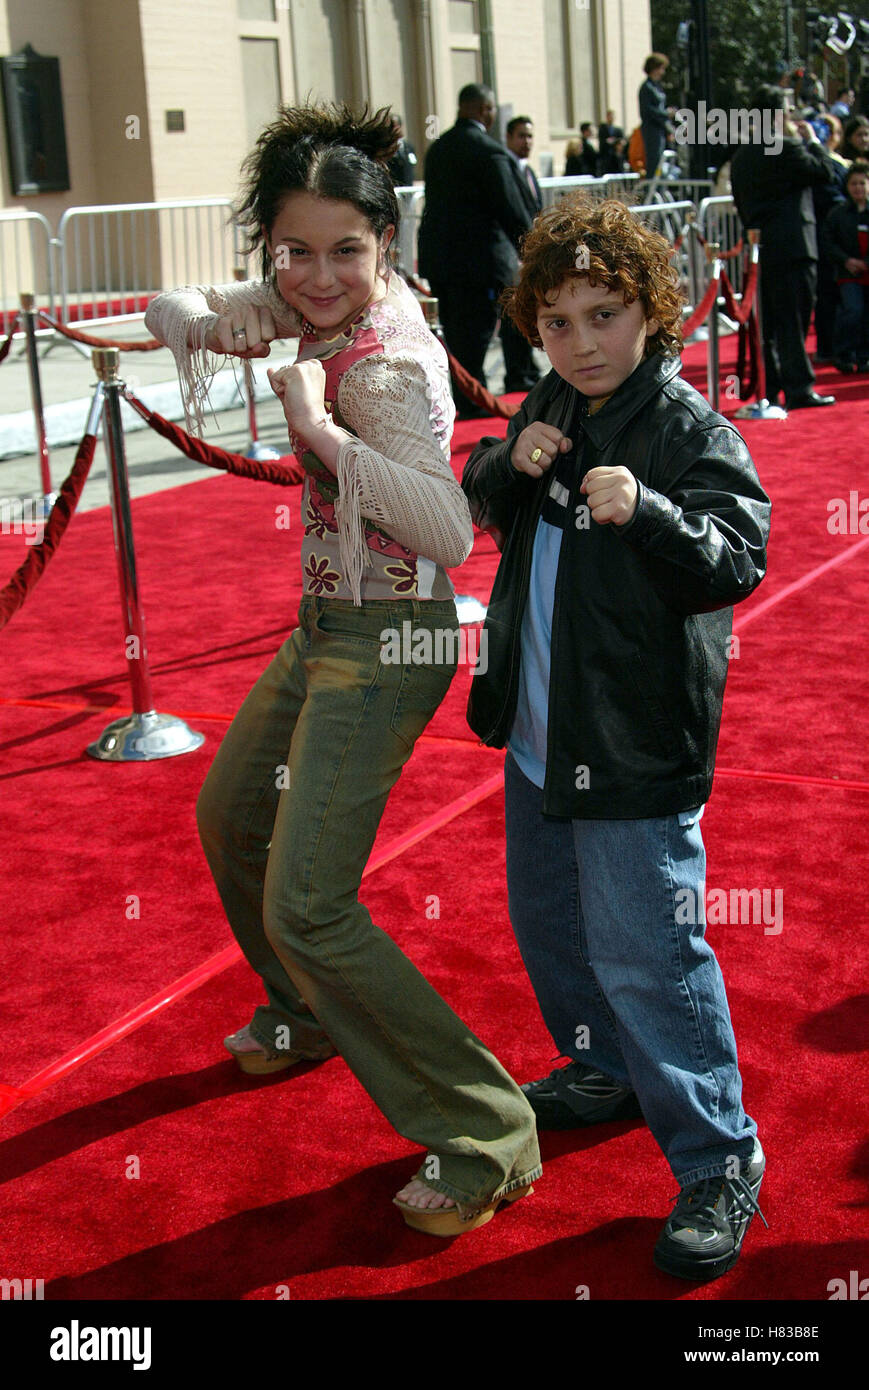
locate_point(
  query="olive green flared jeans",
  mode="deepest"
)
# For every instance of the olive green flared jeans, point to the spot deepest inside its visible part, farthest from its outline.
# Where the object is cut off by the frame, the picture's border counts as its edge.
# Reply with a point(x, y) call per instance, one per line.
point(288, 816)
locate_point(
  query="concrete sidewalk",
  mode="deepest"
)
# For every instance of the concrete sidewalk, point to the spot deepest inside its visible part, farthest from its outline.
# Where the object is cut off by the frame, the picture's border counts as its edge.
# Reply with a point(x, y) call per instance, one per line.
point(67, 380)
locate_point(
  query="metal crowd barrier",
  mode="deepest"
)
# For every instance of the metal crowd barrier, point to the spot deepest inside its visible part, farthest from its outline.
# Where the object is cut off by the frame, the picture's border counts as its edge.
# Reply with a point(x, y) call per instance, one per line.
point(410, 201)
point(114, 258)
point(718, 220)
point(609, 186)
point(667, 218)
point(675, 190)
point(25, 259)
point(627, 186)
point(671, 219)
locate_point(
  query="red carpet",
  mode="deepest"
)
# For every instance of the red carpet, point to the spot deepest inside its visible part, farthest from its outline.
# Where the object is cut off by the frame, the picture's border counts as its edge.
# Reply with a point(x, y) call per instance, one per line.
point(244, 1186)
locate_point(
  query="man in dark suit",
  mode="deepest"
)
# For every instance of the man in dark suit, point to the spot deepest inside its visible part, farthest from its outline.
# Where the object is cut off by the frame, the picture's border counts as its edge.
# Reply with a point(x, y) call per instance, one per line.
point(473, 217)
point(772, 187)
point(520, 369)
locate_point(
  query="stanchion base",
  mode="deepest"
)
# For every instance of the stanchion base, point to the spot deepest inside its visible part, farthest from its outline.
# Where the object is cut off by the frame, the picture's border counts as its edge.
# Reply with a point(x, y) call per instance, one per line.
point(139, 738)
point(469, 609)
point(761, 410)
point(261, 451)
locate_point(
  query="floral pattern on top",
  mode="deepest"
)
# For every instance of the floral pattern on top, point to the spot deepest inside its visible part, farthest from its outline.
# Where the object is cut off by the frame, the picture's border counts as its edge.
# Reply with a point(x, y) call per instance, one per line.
point(319, 578)
point(404, 576)
point(393, 495)
point(319, 515)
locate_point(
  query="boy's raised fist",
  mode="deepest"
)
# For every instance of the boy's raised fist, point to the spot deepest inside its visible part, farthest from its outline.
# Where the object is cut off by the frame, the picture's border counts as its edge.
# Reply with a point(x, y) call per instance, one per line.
point(536, 447)
point(611, 493)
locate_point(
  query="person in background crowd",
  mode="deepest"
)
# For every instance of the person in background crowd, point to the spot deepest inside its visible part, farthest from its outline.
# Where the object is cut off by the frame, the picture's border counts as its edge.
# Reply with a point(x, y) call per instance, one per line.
point(855, 140)
point(613, 159)
point(573, 158)
point(520, 370)
point(824, 197)
point(844, 103)
point(582, 155)
point(809, 91)
point(607, 129)
point(832, 139)
point(609, 134)
point(654, 119)
point(519, 139)
point(846, 237)
point(403, 164)
point(772, 191)
point(292, 802)
point(473, 218)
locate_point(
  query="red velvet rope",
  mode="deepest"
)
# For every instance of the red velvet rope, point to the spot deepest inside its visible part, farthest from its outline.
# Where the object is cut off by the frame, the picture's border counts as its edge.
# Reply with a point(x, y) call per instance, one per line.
point(748, 357)
point(722, 255)
point(149, 345)
point(701, 313)
point(4, 350)
point(467, 384)
point(740, 310)
point(476, 392)
point(285, 471)
point(417, 284)
point(25, 577)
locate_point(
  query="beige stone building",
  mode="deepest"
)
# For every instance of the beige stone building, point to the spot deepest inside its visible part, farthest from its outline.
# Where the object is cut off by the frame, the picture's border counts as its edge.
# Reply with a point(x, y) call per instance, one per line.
point(163, 98)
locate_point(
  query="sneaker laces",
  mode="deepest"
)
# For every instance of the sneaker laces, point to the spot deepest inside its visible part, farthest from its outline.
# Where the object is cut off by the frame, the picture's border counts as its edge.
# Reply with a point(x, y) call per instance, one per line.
point(708, 1192)
point(556, 1071)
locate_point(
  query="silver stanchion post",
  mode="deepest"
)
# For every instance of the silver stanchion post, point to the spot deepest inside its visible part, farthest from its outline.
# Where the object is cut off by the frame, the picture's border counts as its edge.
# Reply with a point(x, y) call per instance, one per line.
point(699, 260)
point(713, 355)
point(696, 258)
point(144, 734)
point(761, 408)
point(27, 315)
point(254, 450)
point(469, 609)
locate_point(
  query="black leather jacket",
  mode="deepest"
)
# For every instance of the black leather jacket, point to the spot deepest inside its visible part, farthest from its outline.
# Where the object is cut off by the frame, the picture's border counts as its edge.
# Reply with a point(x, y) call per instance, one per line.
point(642, 616)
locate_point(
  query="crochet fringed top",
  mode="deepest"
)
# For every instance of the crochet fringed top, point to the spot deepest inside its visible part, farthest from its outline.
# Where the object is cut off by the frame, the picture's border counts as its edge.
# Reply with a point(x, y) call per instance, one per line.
point(394, 518)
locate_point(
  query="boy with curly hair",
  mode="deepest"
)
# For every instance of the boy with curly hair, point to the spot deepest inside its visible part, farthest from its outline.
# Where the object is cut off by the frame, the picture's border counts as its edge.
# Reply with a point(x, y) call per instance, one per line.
point(631, 519)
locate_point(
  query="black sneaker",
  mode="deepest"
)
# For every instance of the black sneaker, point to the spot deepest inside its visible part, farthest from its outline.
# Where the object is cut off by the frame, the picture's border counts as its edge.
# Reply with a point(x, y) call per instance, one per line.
point(578, 1095)
point(703, 1235)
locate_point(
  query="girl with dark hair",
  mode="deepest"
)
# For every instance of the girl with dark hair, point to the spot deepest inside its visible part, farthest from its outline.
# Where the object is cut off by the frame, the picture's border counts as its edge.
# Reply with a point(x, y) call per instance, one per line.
point(855, 141)
point(293, 800)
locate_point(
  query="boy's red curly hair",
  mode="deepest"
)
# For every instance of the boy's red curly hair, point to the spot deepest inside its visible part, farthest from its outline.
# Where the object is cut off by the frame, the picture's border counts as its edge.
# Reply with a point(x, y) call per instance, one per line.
point(621, 253)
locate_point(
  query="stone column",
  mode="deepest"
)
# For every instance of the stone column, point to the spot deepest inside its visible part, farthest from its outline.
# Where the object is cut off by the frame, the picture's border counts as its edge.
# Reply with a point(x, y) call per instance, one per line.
point(360, 68)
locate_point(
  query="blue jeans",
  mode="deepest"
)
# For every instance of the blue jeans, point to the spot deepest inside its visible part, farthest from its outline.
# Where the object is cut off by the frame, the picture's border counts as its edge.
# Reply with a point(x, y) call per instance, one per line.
point(623, 985)
point(851, 331)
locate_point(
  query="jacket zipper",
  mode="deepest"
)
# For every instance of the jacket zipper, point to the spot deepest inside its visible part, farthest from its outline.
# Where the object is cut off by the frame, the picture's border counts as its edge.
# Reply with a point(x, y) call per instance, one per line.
point(528, 552)
point(570, 520)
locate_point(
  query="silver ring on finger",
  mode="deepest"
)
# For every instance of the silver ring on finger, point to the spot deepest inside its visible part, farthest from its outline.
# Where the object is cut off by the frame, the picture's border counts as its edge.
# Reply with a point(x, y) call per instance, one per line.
point(240, 333)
